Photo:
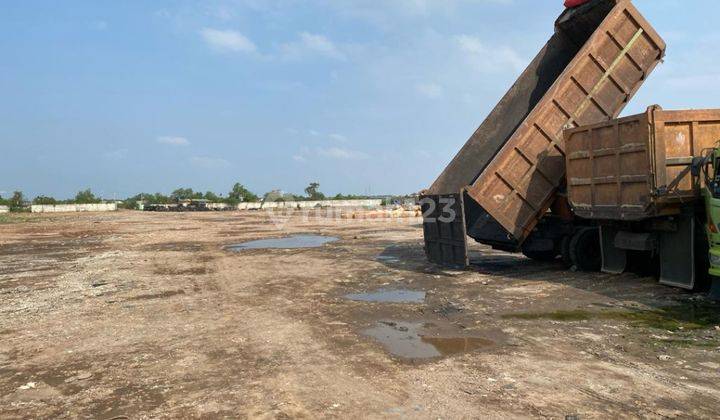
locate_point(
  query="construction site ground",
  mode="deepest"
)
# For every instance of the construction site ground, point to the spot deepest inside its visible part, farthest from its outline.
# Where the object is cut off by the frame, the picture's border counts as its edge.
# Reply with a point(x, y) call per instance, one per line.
point(149, 315)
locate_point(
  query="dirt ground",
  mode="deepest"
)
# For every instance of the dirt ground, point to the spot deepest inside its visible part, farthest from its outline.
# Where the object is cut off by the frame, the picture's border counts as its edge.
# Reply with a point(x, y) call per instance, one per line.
point(147, 315)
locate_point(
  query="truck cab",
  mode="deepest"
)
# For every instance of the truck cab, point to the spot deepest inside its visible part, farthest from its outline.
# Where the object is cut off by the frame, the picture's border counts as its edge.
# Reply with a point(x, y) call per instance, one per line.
point(711, 195)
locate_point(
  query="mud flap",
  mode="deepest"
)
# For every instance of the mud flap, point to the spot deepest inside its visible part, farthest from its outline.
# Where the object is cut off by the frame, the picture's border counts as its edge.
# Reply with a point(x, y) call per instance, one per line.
point(444, 230)
point(677, 255)
point(714, 293)
point(614, 260)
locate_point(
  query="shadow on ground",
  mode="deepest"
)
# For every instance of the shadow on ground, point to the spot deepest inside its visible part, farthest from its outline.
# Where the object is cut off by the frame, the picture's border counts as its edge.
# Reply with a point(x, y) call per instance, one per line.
point(667, 305)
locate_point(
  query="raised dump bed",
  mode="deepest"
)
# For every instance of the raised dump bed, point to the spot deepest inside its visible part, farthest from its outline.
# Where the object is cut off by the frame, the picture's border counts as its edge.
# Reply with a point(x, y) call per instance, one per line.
point(638, 167)
point(511, 168)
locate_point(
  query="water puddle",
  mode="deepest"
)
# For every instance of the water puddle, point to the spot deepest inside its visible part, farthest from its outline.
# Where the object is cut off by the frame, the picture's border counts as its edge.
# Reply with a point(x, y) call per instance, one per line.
point(413, 340)
point(387, 258)
point(389, 296)
point(289, 242)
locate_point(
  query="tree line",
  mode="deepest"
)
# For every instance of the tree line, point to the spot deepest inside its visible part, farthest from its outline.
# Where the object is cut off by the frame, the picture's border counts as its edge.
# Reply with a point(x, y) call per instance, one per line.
point(238, 194)
point(18, 201)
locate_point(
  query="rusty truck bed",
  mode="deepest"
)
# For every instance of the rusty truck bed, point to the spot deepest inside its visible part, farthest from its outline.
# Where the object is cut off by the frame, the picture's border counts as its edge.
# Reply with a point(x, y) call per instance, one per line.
point(638, 167)
point(513, 165)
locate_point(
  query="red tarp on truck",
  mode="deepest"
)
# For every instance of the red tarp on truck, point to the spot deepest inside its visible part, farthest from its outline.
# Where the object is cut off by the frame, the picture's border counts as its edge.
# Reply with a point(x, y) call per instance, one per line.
point(575, 3)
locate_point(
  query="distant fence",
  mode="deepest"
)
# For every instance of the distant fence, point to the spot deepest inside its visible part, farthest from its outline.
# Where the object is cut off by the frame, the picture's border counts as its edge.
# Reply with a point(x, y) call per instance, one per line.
point(73, 208)
point(4, 209)
point(257, 206)
point(219, 206)
point(309, 204)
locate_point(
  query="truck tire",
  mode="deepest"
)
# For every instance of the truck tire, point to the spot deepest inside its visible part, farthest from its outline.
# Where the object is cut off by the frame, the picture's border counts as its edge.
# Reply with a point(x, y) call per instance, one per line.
point(538, 247)
point(585, 249)
point(565, 251)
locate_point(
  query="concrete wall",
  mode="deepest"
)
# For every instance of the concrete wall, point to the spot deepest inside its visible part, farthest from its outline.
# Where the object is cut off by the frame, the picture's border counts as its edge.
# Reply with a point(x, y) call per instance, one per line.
point(309, 204)
point(249, 206)
point(69, 208)
point(218, 206)
point(4, 209)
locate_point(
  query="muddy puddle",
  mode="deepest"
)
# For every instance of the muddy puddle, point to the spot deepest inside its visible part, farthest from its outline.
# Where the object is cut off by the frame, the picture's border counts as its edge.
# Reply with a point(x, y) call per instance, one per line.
point(416, 340)
point(389, 296)
point(289, 242)
point(387, 259)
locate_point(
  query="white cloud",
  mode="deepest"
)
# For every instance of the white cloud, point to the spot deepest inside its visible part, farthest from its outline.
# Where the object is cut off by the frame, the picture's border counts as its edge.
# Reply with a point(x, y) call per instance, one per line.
point(116, 154)
point(320, 44)
point(205, 162)
point(430, 90)
point(435, 65)
point(497, 58)
point(338, 137)
point(173, 140)
point(341, 154)
point(99, 25)
point(221, 12)
point(470, 44)
point(227, 40)
point(387, 13)
point(337, 153)
point(302, 156)
point(311, 44)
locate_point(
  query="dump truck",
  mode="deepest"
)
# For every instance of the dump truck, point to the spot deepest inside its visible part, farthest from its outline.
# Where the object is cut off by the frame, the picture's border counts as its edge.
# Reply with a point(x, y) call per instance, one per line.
point(506, 186)
point(650, 182)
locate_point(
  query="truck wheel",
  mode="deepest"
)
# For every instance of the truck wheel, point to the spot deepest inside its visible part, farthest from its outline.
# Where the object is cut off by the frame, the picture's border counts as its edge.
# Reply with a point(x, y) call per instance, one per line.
point(585, 249)
point(565, 251)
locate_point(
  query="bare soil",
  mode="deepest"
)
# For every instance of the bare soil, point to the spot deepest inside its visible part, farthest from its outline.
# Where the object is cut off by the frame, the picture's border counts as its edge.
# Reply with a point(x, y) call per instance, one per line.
point(145, 315)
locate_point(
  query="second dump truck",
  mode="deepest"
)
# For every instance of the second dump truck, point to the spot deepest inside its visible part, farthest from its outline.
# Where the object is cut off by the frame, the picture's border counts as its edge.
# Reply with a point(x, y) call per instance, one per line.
point(506, 186)
point(552, 171)
point(651, 182)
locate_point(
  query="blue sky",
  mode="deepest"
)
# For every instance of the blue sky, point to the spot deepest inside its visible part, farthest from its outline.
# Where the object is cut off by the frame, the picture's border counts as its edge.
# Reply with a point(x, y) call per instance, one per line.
point(363, 96)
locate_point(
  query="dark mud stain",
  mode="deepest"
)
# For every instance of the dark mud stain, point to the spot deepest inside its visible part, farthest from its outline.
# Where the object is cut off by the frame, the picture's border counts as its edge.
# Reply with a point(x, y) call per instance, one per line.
point(59, 250)
point(290, 242)
point(448, 308)
point(176, 246)
point(705, 342)
point(684, 316)
point(59, 378)
point(499, 264)
point(167, 294)
point(394, 254)
point(12, 272)
point(204, 258)
point(415, 341)
point(127, 402)
point(28, 284)
point(233, 233)
point(173, 271)
point(389, 296)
